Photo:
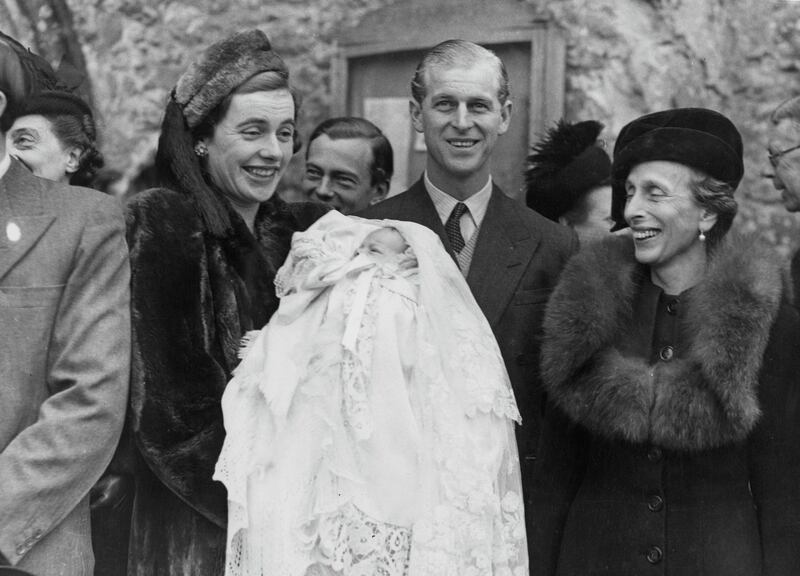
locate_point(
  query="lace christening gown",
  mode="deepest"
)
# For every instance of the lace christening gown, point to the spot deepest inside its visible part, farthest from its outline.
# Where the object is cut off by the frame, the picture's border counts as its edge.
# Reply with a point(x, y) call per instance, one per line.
point(370, 423)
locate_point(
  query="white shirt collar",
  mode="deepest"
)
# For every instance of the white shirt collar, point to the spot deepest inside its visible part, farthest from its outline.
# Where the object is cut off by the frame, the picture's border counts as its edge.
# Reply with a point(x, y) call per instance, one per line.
point(444, 203)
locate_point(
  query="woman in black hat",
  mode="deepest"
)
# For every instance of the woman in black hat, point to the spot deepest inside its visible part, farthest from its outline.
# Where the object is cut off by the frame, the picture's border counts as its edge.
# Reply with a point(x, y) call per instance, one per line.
point(204, 252)
point(568, 179)
point(670, 359)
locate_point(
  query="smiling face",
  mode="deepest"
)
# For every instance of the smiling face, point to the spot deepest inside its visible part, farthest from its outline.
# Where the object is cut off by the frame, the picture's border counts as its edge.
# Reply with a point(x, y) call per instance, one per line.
point(664, 217)
point(461, 118)
point(786, 170)
point(251, 146)
point(338, 173)
point(32, 141)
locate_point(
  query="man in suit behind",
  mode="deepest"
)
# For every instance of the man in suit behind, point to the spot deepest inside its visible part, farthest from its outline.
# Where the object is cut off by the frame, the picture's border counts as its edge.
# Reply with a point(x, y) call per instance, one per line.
point(510, 255)
point(64, 351)
point(783, 152)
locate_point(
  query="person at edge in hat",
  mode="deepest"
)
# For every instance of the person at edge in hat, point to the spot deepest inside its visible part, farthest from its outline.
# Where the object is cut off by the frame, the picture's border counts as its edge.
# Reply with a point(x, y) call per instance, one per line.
point(568, 179)
point(510, 255)
point(64, 346)
point(204, 251)
point(783, 151)
point(670, 360)
point(349, 164)
point(55, 137)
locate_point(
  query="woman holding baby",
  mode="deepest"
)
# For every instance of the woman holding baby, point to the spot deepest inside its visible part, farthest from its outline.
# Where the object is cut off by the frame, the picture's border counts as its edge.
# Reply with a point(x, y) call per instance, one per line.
point(204, 252)
point(369, 426)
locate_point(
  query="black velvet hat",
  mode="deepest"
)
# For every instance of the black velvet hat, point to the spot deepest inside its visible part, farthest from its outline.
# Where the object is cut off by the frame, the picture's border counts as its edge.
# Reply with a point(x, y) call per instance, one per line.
point(696, 137)
point(562, 167)
point(54, 103)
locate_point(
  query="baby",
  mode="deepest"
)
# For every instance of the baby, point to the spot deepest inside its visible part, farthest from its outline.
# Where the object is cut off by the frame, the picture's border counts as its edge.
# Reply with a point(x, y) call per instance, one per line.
point(370, 423)
point(387, 246)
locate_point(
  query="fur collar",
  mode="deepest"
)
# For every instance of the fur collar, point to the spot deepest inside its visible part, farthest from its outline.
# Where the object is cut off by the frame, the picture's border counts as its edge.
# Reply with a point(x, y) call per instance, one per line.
point(705, 398)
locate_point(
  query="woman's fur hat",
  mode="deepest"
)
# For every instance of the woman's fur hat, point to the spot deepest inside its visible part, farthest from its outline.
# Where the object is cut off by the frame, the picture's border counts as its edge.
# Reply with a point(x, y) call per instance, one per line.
point(220, 69)
point(562, 167)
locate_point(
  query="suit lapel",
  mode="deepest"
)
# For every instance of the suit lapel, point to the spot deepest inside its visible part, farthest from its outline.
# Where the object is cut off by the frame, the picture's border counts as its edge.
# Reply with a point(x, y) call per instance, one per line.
point(23, 220)
point(504, 248)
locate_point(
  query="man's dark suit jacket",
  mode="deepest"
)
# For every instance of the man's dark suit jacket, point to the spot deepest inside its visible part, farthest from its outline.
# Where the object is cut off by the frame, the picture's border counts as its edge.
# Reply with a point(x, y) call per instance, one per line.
point(518, 258)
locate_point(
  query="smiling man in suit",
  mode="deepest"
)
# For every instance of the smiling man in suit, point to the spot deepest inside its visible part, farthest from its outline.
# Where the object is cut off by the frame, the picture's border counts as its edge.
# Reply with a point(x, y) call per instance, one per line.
point(64, 351)
point(510, 255)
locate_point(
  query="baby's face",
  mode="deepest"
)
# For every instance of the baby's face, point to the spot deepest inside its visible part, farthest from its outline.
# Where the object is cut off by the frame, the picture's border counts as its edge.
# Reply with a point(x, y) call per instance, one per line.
point(386, 242)
point(387, 245)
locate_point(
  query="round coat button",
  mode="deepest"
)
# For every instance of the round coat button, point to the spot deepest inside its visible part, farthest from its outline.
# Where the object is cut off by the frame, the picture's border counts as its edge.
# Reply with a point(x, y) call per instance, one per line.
point(654, 454)
point(654, 554)
point(655, 503)
point(666, 353)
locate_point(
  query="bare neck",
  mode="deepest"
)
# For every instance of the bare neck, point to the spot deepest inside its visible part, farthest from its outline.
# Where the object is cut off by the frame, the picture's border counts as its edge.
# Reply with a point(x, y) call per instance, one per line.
point(677, 277)
point(460, 188)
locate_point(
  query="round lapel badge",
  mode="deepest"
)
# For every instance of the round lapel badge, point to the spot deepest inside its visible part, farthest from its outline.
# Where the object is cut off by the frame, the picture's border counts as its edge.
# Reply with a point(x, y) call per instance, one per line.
point(13, 233)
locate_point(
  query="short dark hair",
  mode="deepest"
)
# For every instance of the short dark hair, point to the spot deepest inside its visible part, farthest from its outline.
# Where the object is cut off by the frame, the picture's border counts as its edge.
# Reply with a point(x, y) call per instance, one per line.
point(458, 52)
point(345, 127)
point(81, 133)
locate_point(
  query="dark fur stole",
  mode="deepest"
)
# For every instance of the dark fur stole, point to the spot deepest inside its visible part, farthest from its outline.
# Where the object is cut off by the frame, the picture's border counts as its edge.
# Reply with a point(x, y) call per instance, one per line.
point(705, 398)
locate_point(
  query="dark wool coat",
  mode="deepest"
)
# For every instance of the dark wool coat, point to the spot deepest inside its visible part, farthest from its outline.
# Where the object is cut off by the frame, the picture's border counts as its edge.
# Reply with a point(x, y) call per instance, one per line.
point(689, 466)
point(193, 297)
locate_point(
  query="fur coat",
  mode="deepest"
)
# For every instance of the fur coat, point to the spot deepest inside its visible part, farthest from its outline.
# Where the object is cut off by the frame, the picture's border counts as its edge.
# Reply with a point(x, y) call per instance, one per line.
point(684, 466)
point(193, 297)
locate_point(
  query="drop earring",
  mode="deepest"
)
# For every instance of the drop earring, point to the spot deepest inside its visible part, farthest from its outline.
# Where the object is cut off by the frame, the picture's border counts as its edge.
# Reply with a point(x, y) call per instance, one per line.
point(702, 236)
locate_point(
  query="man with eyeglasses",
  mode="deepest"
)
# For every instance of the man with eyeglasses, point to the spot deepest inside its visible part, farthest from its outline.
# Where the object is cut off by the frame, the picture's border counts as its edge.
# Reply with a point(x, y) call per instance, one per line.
point(783, 152)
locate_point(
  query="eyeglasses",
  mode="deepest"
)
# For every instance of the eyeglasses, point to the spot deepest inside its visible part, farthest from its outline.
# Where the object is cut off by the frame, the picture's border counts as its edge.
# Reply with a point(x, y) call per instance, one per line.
point(775, 157)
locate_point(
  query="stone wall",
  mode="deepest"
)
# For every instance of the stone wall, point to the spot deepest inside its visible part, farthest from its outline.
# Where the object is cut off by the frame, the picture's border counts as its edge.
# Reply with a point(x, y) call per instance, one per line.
point(624, 58)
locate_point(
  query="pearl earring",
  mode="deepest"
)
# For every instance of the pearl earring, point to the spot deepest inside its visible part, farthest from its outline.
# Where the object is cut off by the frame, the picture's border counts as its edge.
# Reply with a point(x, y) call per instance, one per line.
point(702, 236)
point(201, 149)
